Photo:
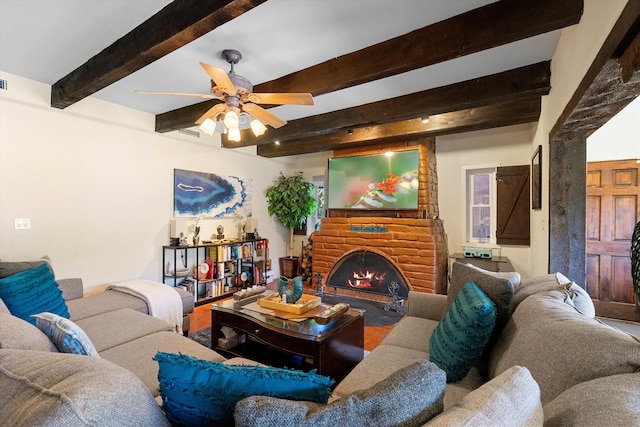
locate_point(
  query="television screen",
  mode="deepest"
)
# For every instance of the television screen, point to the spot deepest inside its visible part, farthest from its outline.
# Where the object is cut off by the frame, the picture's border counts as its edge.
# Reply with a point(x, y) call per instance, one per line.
point(379, 181)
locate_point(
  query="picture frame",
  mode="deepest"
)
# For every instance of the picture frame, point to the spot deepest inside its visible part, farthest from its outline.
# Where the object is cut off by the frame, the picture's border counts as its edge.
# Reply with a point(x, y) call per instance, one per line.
point(536, 179)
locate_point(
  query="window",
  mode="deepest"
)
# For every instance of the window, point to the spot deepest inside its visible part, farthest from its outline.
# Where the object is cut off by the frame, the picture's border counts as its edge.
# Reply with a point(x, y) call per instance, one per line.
point(480, 202)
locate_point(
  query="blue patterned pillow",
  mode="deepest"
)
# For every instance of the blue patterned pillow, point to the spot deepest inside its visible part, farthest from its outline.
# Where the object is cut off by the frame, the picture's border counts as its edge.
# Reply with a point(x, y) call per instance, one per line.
point(33, 291)
point(459, 340)
point(66, 335)
point(201, 392)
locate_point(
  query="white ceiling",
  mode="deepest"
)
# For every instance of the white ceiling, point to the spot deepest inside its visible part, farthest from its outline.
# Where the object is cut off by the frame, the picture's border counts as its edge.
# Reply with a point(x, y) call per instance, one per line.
point(44, 40)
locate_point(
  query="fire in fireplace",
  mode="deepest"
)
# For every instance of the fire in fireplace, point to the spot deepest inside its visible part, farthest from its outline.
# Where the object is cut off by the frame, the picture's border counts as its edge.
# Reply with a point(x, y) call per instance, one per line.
point(367, 271)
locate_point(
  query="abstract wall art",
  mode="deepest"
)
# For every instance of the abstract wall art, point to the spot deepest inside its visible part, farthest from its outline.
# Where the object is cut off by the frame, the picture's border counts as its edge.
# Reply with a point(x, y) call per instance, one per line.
point(210, 195)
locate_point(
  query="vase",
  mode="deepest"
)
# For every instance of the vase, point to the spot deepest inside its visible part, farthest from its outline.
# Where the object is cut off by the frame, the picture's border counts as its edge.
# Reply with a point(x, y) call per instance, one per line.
point(196, 239)
point(294, 294)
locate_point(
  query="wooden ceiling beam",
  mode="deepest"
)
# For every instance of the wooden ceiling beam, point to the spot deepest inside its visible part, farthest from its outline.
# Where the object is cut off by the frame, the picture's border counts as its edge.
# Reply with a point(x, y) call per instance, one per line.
point(623, 32)
point(523, 82)
point(503, 114)
point(177, 24)
point(495, 24)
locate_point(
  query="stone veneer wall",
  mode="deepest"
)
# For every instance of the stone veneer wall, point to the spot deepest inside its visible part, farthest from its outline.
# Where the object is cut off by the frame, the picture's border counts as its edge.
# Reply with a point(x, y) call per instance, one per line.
point(414, 241)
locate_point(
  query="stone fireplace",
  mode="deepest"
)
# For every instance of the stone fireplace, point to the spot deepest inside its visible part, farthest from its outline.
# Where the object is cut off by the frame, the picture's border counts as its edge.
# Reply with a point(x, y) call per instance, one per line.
point(411, 244)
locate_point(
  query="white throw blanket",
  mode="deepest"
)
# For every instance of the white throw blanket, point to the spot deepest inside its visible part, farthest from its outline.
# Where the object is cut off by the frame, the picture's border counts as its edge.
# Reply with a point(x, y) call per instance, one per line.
point(163, 301)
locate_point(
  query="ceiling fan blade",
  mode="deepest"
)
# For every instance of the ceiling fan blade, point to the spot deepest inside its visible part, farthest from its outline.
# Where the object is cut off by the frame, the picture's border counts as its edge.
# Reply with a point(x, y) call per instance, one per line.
point(220, 78)
point(282, 98)
point(192, 95)
point(264, 116)
point(213, 111)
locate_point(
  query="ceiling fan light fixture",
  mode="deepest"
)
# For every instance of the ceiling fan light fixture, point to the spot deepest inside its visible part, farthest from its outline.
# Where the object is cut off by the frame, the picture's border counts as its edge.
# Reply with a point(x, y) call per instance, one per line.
point(234, 134)
point(258, 127)
point(425, 119)
point(208, 127)
point(232, 120)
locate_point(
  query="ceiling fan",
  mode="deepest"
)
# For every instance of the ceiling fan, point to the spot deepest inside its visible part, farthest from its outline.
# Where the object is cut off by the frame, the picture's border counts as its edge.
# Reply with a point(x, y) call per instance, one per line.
point(239, 109)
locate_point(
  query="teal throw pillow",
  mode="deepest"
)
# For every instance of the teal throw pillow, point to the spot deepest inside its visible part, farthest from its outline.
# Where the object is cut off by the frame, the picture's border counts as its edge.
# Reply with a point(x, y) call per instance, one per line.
point(460, 338)
point(65, 335)
point(200, 392)
point(33, 291)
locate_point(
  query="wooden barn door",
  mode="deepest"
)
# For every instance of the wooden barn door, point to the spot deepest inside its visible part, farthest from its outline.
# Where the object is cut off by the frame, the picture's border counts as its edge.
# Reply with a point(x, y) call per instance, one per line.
point(612, 210)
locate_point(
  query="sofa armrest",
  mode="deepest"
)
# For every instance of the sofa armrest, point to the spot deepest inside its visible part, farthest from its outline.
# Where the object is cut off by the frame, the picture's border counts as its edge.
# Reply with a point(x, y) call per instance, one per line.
point(427, 306)
point(71, 288)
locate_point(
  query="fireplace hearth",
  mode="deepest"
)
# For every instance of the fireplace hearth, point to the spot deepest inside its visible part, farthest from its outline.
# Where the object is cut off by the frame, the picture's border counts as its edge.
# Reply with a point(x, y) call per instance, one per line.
point(367, 271)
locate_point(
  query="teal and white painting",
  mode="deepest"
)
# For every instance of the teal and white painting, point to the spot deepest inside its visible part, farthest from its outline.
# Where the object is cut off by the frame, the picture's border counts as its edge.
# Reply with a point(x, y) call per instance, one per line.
point(210, 195)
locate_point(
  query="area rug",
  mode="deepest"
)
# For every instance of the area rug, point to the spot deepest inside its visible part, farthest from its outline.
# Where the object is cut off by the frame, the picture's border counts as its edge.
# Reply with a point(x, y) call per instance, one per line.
point(375, 314)
point(202, 336)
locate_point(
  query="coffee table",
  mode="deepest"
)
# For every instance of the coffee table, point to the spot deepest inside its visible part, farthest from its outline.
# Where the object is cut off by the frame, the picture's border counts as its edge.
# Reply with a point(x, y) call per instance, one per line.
point(333, 349)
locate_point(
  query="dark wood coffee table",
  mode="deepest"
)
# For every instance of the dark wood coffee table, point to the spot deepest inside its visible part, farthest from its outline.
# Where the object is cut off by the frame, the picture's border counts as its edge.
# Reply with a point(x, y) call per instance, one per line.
point(333, 349)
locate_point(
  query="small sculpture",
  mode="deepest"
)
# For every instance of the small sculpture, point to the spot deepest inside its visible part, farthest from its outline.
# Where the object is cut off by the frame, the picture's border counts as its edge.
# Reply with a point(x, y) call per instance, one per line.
point(220, 231)
point(292, 295)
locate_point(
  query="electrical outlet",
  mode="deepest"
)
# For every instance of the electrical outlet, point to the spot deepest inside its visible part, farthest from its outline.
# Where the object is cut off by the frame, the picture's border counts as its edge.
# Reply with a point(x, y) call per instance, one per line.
point(23, 223)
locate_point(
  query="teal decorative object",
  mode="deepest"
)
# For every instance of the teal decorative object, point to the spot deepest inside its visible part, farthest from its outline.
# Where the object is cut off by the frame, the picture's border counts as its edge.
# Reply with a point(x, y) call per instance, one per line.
point(460, 338)
point(293, 295)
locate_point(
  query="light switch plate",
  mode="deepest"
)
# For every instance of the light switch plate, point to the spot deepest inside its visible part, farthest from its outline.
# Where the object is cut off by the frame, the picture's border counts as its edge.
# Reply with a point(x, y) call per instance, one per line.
point(23, 223)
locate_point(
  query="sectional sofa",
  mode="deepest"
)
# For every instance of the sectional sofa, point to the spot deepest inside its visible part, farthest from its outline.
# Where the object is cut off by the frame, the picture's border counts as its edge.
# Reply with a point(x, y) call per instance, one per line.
point(546, 360)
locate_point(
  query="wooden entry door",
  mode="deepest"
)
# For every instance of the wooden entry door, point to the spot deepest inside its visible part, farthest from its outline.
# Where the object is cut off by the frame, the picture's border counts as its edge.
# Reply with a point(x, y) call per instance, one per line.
point(613, 209)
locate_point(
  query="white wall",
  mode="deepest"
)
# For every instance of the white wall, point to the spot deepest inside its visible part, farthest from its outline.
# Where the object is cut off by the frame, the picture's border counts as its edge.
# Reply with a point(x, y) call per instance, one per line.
point(506, 146)
point(96, 182)
point(619, 138)
point(576, 50)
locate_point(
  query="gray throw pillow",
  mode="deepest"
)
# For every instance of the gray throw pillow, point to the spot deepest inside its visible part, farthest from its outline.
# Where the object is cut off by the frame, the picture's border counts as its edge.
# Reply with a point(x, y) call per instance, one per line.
point(41, 388)
point(497, 287)
point(409, 397)
point(9, 268)
point(511, 399)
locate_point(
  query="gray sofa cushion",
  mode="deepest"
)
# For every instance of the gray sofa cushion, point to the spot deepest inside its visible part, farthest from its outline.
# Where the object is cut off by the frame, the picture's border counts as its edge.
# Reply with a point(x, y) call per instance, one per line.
point(383, 361)
point(409, 397)
point(607, 401)
point(405, 331)
point(560, 346)
point(19, 334)
point(41, 388)
point(103, 302)
point(137, 355)
point(124, 325)
point(512, 399)
point(578, 297)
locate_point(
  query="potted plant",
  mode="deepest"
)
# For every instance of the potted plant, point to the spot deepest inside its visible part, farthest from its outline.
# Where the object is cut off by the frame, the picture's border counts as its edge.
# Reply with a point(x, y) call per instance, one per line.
point(291, 200)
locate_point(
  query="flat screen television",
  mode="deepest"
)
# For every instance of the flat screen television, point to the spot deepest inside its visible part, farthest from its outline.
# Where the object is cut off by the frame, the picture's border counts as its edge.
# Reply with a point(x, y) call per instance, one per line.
point(387, 181)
